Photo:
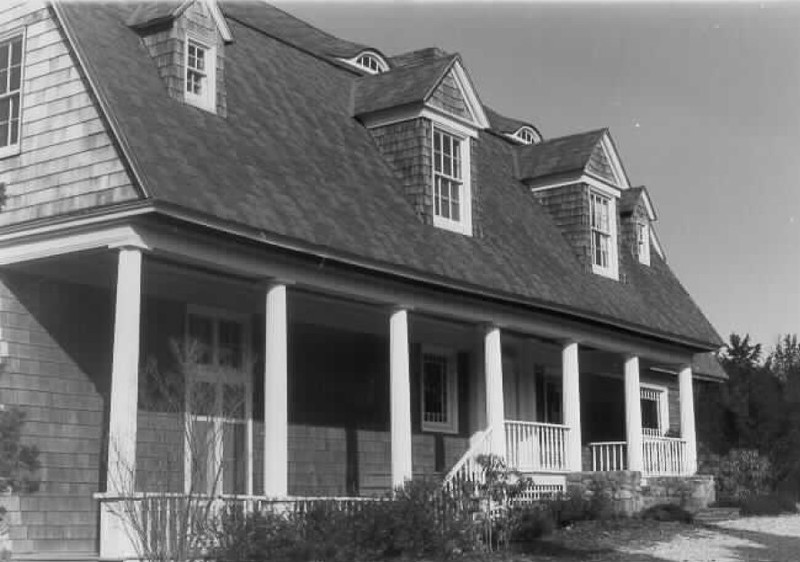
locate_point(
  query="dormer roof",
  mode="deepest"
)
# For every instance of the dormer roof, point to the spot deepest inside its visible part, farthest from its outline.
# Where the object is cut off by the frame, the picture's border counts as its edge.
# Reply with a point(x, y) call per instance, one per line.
point(154, 14)
point(506, 125)
point(561, 159)
point(416, 85)
point(632, 197)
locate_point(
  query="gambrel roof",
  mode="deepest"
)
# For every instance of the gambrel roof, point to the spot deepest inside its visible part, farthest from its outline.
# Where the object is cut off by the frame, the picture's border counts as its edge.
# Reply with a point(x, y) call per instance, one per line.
point(290, 159)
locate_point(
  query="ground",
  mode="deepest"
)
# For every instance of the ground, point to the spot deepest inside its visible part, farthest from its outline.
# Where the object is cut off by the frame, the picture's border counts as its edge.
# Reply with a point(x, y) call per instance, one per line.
point(753, 539)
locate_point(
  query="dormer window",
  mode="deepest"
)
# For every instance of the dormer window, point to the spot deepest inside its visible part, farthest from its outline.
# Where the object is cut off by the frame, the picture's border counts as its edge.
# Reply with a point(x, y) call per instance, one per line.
point(603, 230)
point(526, 135)
point(643, 242)
point(368, 61)
point(200, 83)
point(451, 194)
point(10, 93)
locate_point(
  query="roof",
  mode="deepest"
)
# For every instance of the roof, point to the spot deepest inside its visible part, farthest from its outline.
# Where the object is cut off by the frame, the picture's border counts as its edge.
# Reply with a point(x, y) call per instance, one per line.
point(401, 86)
point(280, 25)
point(707, 365)
point(558, 156)
point(629, 199)
point(289, 159)
point(505, 125)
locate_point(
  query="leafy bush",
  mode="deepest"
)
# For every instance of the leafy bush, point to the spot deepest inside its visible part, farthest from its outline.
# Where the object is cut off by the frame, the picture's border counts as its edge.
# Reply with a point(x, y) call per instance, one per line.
point(531, 522)
point(420, 521)
point(667, 512)
point(577, 506)
point(742, 473)
point(18, 463)
point(767, 504)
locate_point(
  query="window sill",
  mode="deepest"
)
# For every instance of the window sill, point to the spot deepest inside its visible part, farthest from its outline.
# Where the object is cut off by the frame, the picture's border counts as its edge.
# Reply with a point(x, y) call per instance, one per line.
point(12, 150)
point(439, 428)
point(605, 272)
point(452, 226)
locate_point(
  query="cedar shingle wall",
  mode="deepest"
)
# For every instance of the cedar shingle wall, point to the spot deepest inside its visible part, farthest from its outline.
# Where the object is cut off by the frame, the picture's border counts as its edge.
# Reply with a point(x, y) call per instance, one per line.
point(56, 341)
point(628, 229)
point(67, 160)
point(448, 97)
point(407, 148)
point(599, 165)
point(569, 207)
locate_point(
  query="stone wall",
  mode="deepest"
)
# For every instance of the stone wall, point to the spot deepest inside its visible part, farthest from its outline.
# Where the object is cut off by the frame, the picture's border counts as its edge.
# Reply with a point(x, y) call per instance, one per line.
point(629, 495)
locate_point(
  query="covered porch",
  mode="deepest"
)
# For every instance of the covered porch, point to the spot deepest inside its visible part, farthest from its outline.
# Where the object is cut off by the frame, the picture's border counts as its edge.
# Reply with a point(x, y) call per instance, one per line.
point(314, 380)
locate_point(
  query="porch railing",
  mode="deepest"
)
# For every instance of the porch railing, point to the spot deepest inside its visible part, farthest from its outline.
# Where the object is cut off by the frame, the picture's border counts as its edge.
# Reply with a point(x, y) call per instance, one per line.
point(664, 456)
point(609, 455)
point(467, 469)
point(536, 447)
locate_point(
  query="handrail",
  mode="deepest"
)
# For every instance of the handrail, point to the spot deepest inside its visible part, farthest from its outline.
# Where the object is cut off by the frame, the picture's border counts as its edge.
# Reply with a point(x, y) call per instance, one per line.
point(465, 466)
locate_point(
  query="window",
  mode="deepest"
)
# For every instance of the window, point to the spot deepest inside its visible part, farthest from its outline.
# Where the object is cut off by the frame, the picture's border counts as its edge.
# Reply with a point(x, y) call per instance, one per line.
point(526, 135)
point(219, 407)
point(371, 63)
point(655, 410)
point(451, 201)
point(200, 84)
point(603, 232)
point(643, 242)
point(439, 392)
point(10, 93)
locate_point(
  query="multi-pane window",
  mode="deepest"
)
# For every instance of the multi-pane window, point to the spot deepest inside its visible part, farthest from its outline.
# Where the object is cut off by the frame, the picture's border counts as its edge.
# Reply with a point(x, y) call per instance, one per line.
point(10, 92)
point(439, 400)
point(601, 230)
point(217, 390)
point(526, 136)
point(199, 77)
point(448, 179)
point(643, 242)
point(370, 63)
point(654, 411)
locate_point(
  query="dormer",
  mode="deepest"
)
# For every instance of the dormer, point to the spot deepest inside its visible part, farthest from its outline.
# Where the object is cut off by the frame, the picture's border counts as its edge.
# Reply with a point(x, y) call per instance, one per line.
point(514, 130)
point(369, 61)
point(187, 43)
point(580, 180)
point(425, 119)
point(636, 218)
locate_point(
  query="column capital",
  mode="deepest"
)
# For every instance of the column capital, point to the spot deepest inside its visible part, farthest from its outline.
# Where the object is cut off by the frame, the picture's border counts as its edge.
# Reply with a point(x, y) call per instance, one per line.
point(129, 245)
point(270, 282)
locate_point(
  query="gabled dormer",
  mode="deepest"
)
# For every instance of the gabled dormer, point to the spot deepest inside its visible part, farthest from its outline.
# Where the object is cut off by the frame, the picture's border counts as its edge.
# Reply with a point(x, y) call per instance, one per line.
point(636, 218)
point(187, 43)
point(580, 180)
point(425, 119)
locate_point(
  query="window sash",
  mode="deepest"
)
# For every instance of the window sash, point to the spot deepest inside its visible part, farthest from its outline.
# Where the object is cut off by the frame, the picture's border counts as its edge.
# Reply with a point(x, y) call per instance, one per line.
point(11, 62)
point(438, 392)
point(448, 176)
point(600, 212)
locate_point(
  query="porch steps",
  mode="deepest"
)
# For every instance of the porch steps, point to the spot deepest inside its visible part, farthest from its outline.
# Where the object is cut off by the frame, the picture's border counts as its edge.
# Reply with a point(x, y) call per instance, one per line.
point(712, 515)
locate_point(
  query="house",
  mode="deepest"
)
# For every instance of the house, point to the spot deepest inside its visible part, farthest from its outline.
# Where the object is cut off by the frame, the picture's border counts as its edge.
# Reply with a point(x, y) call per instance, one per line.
point(381, 275)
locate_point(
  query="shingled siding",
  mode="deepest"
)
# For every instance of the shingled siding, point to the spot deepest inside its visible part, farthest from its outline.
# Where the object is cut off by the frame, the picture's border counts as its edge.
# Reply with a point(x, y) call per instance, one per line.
point(56, 347)
point(569, 207)
point(448, 97)
point(599, 165)
point(407, 147)
point(67, 160)
point(628, 222)
point(167, 47)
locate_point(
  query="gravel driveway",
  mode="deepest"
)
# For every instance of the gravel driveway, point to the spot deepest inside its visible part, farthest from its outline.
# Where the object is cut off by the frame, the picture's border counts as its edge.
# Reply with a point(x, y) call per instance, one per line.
point(752, 539)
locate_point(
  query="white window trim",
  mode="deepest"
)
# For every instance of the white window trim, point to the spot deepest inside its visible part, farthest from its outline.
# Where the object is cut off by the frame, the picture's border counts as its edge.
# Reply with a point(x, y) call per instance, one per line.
point(208, 100)
point(612, 271)
point(15, 149)
point(464, 225)
point(451, 426)
point(643, 248)
point(519, 135)
point(241, 376)
point(383, 66)
point(663, 405)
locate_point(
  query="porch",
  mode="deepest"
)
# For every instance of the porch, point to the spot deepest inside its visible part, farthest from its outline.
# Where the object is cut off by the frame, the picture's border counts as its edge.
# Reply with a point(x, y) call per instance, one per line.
point(330, 384)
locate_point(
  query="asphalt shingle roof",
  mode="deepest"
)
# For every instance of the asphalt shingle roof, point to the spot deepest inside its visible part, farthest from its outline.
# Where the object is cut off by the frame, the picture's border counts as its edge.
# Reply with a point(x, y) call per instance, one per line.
point(291, 160)
point(503, 124)
point(558, 156)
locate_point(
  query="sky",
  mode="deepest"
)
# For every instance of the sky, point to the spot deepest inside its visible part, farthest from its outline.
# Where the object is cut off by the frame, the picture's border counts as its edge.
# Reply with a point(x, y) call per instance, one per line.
point(702, 101)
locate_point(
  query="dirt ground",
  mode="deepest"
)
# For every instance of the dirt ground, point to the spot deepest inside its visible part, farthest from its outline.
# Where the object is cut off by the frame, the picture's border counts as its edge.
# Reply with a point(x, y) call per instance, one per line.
point(752, 539)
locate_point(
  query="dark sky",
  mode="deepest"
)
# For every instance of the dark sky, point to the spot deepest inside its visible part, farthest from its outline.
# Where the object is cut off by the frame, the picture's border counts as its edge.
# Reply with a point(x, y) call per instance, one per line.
point(702, 100)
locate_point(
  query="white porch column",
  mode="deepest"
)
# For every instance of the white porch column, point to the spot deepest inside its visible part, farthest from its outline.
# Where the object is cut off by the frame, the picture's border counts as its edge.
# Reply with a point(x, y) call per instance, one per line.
point(123, 404)
point(495, 414)
point(687, 418)
point(276, 408)
point(400, 397)
point(633, 414)
point(571, 404)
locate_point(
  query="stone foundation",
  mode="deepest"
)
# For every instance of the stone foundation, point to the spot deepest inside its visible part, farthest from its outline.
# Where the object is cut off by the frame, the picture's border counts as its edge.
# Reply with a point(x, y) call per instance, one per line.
point(628, 494)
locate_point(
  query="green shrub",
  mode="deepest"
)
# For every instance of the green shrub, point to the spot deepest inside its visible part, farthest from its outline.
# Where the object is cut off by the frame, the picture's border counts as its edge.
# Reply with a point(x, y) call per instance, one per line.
point(576, 506)
point(767, 504)
point(667, 512)
point(742, 472)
